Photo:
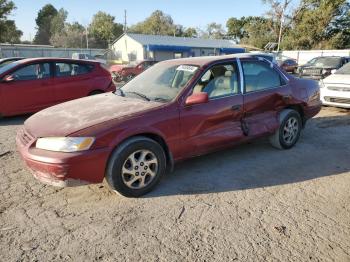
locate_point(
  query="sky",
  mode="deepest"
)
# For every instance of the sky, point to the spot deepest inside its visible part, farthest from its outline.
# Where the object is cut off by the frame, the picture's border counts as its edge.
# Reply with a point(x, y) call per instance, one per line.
point(195, 13)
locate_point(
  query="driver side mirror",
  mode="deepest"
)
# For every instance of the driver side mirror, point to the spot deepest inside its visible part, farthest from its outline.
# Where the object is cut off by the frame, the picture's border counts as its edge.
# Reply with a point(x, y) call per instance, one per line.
point(8, 78)
point(197, 98)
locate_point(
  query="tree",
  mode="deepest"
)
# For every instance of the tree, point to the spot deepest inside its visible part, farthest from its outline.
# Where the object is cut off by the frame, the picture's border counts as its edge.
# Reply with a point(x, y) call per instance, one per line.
point(104, 30)
point(235, 28)
point(157, 24)
point(9, 32)
point(320, 24)
point(279, 14)
point(72, 36)
point(190, 32)
point(215, 31)
point(44, 24)
point(58, 22)
point(256, 31)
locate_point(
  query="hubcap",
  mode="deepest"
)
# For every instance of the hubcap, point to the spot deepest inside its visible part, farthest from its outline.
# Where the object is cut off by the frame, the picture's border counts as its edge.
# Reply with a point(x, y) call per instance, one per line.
point(139, 169)
point(290, 130)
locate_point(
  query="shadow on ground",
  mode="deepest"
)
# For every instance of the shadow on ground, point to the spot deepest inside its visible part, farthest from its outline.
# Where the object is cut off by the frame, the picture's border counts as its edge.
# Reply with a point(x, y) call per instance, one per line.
point(14, 120)
point(323, 150)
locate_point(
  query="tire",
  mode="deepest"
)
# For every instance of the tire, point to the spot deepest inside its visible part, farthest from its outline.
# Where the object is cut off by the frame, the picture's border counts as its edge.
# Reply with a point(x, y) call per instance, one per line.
point(95, 92)
point(288, 133)
point(126, 171)
point(129, 77)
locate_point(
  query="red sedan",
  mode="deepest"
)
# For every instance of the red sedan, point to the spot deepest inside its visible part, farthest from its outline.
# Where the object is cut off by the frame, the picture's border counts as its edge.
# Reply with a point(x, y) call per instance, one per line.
point(30, 85)
point(175, 110)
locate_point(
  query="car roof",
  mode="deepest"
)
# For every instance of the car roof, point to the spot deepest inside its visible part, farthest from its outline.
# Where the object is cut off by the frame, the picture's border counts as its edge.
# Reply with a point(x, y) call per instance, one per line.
point(204, 60)
point(51, 59)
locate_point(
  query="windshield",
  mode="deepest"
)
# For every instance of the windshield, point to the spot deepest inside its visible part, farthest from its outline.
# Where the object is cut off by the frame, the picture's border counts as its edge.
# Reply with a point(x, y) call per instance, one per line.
point(161, 82)
point(9, 66)
point(345, 70)
point(325, 62)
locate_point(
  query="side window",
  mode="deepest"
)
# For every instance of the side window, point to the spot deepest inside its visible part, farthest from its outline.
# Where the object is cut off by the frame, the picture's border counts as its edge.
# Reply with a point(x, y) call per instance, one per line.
point(219, 81)
point(33, 72)
point(69, 69)
point(259, 76)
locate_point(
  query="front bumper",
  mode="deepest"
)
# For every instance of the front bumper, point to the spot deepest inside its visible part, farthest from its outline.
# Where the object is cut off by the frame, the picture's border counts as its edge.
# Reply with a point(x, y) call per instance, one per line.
point(335, 98)
point(62, 169)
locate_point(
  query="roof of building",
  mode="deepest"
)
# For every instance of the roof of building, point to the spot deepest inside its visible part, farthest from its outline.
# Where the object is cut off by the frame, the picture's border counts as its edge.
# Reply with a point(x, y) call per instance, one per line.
point(181, 41)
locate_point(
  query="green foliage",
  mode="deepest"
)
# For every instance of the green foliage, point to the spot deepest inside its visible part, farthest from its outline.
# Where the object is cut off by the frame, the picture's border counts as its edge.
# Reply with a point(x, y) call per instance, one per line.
point(190, 32)
point(252, 30)
point(215, 31)
point(9, 32)
point(44, 24)
point(72, 36)
point(157, 24)
point(104, 30)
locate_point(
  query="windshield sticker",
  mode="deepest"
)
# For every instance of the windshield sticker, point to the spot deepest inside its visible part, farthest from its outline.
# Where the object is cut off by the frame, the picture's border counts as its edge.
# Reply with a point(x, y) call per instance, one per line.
point(187, 68)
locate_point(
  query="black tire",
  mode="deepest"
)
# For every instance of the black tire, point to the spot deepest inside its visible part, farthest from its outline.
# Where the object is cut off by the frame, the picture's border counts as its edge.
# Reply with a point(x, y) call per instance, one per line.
point(95, 92)
point(278, 139)
point(117, 161)
point(128, 77)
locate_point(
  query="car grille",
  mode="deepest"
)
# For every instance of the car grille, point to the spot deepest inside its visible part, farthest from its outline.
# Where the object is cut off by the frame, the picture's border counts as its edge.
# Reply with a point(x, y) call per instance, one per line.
point(312, 71)
point(337, 100)
point(338, 88)
point(25, 137)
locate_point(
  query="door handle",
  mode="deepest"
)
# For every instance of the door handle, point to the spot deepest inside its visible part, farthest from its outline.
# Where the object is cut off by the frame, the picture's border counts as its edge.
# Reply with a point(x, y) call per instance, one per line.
point(236, 108)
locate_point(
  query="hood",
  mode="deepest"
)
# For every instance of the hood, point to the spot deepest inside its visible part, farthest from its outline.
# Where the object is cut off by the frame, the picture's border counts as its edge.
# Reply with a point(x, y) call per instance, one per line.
point(75, 115)
point(337, 79)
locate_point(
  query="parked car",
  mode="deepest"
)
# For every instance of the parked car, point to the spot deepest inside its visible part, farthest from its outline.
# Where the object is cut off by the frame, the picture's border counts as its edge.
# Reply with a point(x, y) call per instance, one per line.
point(335, 89)
point(82, 56)
point(128, 72)
point(30, 85)
point(5, 61)
point(321, 67)
point(175, 110)
point(289, 65)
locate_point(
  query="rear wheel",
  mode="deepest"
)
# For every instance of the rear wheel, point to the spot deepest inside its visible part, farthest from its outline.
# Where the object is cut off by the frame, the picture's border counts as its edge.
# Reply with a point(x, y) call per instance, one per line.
point(288, 133)
point(136, 167)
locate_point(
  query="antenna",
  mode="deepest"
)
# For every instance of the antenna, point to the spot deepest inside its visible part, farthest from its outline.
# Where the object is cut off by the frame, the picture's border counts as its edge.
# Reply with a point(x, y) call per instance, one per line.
point(125, 28)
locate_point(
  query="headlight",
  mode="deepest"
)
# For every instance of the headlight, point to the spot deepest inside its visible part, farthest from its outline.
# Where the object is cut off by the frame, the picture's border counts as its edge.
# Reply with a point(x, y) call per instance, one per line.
point(321, 84)
point(65, 144)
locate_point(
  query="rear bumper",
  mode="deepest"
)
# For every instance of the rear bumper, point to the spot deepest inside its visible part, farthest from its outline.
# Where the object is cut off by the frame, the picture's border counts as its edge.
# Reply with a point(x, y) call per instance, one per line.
point(64, 169)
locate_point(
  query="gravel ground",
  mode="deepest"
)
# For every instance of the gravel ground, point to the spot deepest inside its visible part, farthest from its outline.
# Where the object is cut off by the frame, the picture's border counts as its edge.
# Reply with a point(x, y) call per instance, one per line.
point(249, 203)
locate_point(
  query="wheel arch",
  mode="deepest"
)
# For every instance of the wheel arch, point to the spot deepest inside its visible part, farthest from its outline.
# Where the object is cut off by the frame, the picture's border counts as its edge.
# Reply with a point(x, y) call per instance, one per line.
point(160, 140)
point(300, 110)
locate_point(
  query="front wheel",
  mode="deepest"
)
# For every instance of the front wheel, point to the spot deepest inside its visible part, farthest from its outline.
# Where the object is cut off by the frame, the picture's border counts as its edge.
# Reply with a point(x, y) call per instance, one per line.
point(136, 167)
point(288, 133)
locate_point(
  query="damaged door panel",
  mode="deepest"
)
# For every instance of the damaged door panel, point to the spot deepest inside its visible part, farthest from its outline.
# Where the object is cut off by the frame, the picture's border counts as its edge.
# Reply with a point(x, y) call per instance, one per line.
point(266, 92)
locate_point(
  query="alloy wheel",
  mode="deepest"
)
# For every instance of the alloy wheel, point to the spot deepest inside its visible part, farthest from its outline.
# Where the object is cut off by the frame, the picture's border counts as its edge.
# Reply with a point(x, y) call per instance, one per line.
point(290, 130)
point(139, 169)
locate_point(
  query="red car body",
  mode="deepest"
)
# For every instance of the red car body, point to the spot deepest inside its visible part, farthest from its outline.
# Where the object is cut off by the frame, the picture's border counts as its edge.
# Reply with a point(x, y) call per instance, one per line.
point(30, 85)
point(127, 72)
point(182, 127)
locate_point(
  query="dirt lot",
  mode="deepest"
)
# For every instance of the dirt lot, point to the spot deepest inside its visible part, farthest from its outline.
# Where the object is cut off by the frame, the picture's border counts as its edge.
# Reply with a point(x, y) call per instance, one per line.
point(250, 203)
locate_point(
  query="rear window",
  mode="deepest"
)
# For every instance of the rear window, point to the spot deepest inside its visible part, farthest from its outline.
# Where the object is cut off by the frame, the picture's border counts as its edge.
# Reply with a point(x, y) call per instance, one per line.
point(71, 69)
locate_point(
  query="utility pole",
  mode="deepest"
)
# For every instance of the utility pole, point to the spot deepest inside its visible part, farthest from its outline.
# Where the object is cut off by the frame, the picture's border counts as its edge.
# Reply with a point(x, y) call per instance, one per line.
point(125, 28)
point(87, 37)
point(281, 28)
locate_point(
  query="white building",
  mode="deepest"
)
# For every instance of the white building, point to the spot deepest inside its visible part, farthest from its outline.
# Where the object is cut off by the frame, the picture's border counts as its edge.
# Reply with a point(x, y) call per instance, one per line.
point(135, 47)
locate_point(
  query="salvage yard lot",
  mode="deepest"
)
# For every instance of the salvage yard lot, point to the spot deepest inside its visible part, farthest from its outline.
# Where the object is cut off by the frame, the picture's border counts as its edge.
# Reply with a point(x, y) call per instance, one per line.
point(249, 203)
